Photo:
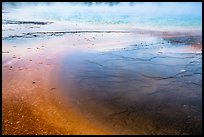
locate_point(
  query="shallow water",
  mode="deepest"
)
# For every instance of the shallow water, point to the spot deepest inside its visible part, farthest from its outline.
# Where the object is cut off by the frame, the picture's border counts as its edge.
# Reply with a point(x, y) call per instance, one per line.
point(146, 85)
point(139, 89)
point(29, 17)
point(130, 80)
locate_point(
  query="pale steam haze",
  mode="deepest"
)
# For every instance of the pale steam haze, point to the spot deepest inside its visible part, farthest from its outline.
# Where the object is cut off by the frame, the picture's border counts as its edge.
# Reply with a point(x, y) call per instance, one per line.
point(137, 14)
point(149, 8)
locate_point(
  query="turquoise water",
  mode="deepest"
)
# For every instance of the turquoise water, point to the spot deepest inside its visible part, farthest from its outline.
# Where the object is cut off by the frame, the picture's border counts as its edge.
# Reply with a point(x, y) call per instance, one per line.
point(158, 21)
point(135, 14)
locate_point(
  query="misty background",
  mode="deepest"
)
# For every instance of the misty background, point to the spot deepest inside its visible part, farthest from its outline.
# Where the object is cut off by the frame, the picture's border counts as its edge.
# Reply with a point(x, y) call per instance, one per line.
point(178, 15)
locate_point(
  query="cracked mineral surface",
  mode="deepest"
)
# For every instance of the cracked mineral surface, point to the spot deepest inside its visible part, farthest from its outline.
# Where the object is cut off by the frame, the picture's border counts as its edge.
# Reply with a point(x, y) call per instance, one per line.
point(78, 79)
point(145, 85)
point(137, 90)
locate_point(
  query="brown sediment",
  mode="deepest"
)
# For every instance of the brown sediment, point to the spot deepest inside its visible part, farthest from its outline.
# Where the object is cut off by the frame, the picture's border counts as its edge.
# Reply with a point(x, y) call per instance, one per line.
point(30, 104)
point(194, 48)
point(30, 108)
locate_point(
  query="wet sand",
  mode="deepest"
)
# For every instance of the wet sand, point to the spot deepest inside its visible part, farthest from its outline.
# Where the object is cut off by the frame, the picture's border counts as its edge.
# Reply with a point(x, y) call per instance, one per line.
point(102, 83)
point(31, 104)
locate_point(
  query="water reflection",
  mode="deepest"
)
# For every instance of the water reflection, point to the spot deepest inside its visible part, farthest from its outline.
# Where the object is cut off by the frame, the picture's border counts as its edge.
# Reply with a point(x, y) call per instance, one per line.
point(130, 80)
point(137, 90)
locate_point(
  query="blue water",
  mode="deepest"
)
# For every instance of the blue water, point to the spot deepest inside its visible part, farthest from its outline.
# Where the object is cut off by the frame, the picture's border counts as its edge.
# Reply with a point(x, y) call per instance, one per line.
point(158, 21)
point(135, 14)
